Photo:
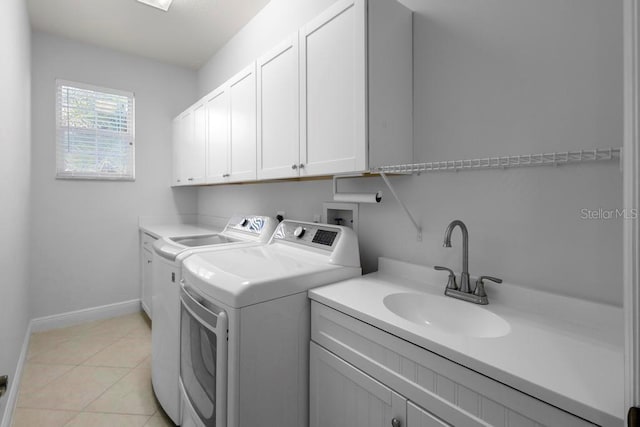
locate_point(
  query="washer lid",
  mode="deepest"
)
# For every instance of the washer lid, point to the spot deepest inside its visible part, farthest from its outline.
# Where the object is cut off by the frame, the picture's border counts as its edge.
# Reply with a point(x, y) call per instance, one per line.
point(171, 247)
point(245, 276)
point(239, 229)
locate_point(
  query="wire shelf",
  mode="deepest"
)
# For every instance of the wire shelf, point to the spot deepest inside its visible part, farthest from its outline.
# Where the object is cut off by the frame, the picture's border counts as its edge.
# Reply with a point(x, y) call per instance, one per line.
point(527, 160)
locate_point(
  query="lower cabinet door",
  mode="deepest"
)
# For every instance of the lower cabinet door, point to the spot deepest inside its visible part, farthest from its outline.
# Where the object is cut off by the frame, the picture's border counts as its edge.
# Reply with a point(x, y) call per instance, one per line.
point(343, 396)
point(147, 281)
point(418, 417)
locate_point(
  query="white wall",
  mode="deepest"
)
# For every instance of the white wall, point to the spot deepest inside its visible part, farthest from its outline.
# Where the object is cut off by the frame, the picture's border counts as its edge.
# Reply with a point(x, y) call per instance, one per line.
point(84, 250)
point(15, 151)
point(491, 77)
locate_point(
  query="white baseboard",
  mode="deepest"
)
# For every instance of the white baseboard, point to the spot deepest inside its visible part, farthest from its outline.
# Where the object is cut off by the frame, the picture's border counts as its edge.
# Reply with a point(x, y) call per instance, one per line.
point(14, 382)
point(86, 315)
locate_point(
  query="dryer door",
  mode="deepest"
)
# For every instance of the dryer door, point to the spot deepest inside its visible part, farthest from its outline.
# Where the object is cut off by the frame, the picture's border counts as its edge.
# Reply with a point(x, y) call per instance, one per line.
point(203, 356)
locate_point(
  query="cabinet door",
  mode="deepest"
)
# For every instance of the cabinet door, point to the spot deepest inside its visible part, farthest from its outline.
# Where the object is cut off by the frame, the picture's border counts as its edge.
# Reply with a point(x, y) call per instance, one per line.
point(147, 281)
point(182, 139)
point(333, 90)
point(177, 161)
point(341, 395)
point(195, 155)
point(278, 112)
point(217, 106)
point(418, 417)
point(242, 125)
point(189, 147)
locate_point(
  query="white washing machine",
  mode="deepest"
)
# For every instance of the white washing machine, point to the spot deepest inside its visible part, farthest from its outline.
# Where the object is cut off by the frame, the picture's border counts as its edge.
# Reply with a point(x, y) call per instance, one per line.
point(245, 325)
point(169, 253)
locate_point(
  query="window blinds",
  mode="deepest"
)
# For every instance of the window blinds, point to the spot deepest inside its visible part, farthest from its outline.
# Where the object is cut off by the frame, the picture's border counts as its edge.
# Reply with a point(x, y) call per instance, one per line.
point(95, 132)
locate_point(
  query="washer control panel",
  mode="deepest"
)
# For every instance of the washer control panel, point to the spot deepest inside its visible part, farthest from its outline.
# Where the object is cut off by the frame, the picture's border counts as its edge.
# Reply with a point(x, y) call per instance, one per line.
point(310, 234)
point(248, 224)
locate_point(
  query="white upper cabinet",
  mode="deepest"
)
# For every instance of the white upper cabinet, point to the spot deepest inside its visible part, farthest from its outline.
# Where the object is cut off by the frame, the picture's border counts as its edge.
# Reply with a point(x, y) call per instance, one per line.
point(195, 159)
point(278, 112)
point(231, 130)
point(217, 107)
point(242, 125)
point(356, 88)
point(189, 147)
point(334, 98)
point(177, 135)
point(333, 90)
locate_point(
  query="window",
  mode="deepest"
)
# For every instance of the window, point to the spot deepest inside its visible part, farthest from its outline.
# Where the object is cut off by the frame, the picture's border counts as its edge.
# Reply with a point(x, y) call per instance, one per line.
point(95, 136)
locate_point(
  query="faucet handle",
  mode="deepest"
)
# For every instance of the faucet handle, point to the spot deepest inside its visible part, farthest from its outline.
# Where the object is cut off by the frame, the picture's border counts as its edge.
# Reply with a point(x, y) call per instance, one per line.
point(479, 290)
point(451, 283)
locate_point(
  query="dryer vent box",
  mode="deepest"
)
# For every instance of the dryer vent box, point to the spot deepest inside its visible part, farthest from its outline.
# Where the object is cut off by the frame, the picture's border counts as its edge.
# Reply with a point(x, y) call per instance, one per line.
point(340, 213)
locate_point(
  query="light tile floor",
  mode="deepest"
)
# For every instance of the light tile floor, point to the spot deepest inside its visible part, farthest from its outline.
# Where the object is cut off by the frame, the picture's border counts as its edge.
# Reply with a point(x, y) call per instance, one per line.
point(90, 375)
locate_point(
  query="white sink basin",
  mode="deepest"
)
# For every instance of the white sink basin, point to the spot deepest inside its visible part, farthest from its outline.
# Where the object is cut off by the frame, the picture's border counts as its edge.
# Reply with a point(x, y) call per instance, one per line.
point(213, 239)
point(447, 315)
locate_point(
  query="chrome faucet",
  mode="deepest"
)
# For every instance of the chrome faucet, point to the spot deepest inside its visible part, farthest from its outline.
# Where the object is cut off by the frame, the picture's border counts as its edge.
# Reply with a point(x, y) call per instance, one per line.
point(464, 279)
point(464, 292)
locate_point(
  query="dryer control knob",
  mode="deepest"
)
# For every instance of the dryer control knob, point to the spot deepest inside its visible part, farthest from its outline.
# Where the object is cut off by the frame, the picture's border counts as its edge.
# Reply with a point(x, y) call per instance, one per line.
point(243, 222)
point(299, 232)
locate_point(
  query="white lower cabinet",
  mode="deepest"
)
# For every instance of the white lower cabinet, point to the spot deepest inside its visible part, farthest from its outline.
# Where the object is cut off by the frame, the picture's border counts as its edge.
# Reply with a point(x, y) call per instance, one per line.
point(342, 395)
point(363, 376)
point(146, 270)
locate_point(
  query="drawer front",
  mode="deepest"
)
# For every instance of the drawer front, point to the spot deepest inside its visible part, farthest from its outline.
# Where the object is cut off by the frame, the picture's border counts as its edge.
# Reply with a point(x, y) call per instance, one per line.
point(147, 241)
point(458, 395)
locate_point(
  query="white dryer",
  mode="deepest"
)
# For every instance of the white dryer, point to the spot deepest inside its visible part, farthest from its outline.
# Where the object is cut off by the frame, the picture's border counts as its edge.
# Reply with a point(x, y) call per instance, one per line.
point(169, 253)
point(245, 324)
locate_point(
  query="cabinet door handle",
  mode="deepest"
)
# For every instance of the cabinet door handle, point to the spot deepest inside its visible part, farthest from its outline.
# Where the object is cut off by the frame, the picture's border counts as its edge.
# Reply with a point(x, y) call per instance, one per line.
point(294, 166)
point(190, 179)
point(395, 422)
point(148, 261)
point(301, 166)
point(225, 175)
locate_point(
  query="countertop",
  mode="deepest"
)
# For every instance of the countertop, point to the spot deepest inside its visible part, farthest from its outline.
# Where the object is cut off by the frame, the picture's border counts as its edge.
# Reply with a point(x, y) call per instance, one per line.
point(564, 351)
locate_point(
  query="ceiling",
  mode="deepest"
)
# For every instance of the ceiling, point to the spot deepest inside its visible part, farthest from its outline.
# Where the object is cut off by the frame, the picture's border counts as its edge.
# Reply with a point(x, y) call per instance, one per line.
point(187, 35)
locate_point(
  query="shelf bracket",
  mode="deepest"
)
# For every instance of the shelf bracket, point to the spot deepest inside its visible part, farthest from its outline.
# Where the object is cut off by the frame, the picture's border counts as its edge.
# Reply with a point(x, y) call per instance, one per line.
point(395, 195)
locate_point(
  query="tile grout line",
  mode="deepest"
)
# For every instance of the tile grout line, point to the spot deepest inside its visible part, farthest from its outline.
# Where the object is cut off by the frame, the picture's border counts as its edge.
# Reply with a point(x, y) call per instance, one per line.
point(109, 388)
point(134, 332)
point(83, 361)
point(49, 382)
point(106, 413)
point(113, 385)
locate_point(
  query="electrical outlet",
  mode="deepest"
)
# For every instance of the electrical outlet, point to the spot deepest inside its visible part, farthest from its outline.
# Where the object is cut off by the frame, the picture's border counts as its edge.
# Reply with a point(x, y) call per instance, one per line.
point(316, 218)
